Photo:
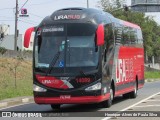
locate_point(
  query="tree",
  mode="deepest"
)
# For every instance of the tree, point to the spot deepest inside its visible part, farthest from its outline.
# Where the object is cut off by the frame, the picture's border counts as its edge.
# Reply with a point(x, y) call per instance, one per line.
point(110, 5)
point(150, 28)
point(2, 50)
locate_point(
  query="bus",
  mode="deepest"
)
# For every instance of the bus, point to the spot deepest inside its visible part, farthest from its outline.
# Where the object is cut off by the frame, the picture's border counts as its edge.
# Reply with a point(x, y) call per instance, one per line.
point(84, 56)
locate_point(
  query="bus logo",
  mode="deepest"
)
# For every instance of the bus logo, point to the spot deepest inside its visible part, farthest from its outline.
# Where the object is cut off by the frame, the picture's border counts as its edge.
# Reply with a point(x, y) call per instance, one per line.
point(50, 82)
point(67, 17)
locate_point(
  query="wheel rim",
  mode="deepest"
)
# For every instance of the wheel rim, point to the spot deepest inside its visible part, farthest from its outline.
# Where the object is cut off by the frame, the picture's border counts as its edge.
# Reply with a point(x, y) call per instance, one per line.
point(135, 89)
point(111, 94)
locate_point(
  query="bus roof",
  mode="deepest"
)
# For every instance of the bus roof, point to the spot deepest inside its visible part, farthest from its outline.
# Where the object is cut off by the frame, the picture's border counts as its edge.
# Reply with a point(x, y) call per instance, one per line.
point(87, 13)
point(126, 23)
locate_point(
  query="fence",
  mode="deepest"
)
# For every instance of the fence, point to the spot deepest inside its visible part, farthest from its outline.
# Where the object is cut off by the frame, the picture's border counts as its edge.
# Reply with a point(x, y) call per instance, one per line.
point(151, 66)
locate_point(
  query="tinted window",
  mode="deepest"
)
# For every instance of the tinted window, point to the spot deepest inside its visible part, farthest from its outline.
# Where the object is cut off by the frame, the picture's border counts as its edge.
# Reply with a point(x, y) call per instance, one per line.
point(80, 29)
point(140, 38)
point(126, 36)
point(133, 35)
point(118, 33)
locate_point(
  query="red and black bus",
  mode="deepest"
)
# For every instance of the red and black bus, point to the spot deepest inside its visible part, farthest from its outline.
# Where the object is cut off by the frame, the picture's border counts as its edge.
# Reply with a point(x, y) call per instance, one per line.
point(83, 56)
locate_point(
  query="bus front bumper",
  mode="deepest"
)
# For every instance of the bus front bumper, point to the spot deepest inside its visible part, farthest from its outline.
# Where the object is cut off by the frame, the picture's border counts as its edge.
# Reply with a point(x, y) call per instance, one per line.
point(71, 100)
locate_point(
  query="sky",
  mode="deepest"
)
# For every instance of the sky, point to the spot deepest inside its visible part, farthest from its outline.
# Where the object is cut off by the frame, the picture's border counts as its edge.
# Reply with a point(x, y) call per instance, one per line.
point(37, 10)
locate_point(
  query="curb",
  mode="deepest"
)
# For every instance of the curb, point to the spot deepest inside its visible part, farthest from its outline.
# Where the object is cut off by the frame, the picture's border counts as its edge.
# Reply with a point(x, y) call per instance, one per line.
point(15, 101)
point(152, 80)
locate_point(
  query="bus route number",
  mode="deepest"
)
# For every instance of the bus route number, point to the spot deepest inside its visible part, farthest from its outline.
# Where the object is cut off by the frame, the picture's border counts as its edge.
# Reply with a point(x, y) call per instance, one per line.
point(83, 80)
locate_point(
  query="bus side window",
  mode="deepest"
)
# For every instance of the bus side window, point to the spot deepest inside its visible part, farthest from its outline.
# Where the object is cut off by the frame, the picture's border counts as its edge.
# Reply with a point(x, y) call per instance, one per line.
point(133, 36)
point(136, 37)
point(118, 33)
point(140, 38)
point(109, 38)
point(126, 37)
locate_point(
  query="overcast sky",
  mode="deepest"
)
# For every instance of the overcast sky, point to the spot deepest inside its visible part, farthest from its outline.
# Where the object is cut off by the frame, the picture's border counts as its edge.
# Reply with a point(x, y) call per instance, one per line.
point(37, 10)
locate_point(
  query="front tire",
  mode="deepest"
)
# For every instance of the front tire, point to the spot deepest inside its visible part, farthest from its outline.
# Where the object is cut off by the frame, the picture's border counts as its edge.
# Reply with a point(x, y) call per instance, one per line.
point(55, 106)
point(108, 103)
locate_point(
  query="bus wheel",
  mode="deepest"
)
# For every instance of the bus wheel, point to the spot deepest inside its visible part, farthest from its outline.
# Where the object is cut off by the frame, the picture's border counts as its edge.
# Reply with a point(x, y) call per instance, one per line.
point(55, 106)
point(133, 94)
point(108, 103)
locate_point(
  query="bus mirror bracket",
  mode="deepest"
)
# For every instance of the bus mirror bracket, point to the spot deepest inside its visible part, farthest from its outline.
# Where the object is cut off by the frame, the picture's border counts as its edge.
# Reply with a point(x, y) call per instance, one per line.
point(27, 36)
point(100, 35)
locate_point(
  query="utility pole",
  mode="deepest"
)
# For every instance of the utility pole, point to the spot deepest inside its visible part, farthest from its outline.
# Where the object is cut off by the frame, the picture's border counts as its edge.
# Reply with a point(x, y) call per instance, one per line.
point(87, 3)
point(16, 20)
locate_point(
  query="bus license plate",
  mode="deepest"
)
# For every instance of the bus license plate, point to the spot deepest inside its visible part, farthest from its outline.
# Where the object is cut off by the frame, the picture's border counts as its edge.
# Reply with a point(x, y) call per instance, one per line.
point(65, 96)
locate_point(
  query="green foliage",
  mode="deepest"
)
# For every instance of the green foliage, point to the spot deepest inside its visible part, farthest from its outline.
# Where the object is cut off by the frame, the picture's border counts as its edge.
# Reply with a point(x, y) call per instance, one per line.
point(2, 50)
point(108, 6)
point(150, 29)
point(152, 75)
point(17, 61)
point(27, 51)
point(23, 78)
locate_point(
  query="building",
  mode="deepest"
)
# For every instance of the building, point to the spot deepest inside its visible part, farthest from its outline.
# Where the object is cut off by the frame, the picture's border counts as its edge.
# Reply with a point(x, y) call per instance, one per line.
point(4, 30)
point(8, 42)
point(146, 5)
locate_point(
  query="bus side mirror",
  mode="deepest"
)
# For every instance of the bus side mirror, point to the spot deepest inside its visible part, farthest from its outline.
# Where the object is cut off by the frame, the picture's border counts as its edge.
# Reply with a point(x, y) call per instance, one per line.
point(27, 37)
point(100, 35)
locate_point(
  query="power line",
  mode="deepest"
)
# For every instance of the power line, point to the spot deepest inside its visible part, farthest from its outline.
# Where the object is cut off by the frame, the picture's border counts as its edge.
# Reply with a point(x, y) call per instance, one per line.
point(36, 15)
point(6, 17)
point(49, 2)
point(6, 8)
point(27, 22)
point(6, 20)
point(23, 5)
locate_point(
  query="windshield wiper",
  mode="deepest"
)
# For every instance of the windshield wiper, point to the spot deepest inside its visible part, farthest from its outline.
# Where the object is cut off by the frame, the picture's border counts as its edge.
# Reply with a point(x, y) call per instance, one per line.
point(53, 62)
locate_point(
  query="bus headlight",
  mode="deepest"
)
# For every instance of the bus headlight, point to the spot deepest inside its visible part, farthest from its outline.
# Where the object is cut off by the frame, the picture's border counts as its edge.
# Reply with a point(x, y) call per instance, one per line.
point(38, 89)
point(97, 86)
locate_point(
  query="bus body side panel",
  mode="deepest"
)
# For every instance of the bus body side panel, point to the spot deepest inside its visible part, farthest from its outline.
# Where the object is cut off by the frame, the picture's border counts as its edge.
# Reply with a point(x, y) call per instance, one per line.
point(134, 64)
point(129, 67)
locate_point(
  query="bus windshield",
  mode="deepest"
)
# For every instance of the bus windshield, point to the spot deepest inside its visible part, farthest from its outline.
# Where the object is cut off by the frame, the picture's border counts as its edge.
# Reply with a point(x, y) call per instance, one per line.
point(81, 51)
point(75, 42)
